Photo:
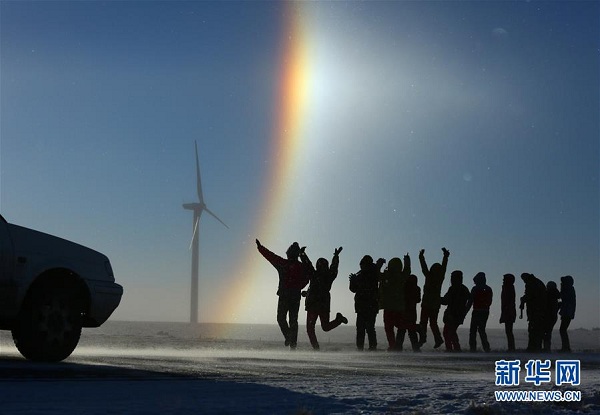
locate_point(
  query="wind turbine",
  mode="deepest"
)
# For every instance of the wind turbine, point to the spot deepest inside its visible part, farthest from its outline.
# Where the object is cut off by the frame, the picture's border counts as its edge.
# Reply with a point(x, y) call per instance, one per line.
point(197, 208)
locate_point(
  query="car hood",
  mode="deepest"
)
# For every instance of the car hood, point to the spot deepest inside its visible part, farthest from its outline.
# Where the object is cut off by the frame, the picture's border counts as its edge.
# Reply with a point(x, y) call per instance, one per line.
point(28, 242)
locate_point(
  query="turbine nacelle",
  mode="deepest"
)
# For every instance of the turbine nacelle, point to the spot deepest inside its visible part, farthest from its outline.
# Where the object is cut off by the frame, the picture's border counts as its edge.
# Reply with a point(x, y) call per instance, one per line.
point(194, 206)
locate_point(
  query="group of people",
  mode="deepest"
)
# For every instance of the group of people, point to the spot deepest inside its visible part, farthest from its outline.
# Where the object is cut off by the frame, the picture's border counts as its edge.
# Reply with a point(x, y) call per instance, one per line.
point(395, 290)
point(544, 304)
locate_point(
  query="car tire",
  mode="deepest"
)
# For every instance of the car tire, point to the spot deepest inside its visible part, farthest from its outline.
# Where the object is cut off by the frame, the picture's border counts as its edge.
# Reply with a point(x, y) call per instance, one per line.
point(49, 325)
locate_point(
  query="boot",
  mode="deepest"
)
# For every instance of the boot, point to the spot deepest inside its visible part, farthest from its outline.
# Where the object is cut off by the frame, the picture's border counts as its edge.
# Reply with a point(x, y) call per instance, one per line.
point(414, 340)
point(341, 318)
point(422, 328)
point(400, 339)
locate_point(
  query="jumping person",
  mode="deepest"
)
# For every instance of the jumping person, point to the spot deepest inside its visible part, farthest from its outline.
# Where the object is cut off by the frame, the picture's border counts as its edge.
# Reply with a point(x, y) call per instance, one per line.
point(318, 297)
point(293, 277)
point(430, 306)
point(364, 285)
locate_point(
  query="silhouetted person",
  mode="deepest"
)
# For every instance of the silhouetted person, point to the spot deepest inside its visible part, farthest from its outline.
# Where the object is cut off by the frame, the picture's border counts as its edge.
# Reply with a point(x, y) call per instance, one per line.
point(567, 310)
point(535, 299)
point(456, 300)
point(364, 285)
point(293, 276)
point(481, 300)
point(392, 298)
point(432, 289)
point(552, 306)
point(318, 297)
point(508, 313)
point(408, 322)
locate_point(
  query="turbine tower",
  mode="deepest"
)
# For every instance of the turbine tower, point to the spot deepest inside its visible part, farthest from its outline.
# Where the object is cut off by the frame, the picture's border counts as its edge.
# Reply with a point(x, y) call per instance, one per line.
point(197, 208)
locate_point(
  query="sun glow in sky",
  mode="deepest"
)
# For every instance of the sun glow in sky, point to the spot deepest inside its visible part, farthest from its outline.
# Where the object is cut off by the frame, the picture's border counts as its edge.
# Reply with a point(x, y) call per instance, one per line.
point(382, 127)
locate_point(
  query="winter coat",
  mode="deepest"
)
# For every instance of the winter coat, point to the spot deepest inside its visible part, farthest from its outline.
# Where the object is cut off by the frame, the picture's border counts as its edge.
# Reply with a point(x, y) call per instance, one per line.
point(364, 285)
point(456, 299)
point(412, 297)
point(293, 274)
point(508, 312)
point(391, 286)
point(567, 294)
point(434, 278)
point(535, 298)
point(318, 298)
point(481, 294)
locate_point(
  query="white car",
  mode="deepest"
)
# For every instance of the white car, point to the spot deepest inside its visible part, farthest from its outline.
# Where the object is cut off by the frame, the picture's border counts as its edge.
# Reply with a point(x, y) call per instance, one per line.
point(49, 289)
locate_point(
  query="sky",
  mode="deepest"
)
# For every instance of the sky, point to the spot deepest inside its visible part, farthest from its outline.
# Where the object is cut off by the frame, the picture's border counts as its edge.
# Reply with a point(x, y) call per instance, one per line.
point(382, 127)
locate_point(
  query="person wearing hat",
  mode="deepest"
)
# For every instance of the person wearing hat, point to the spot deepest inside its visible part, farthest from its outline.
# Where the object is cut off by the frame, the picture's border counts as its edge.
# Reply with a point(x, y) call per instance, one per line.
point(432, 289)
point(318, 296)
point(456, 300)
point(293, 277)
point(365, 286)
point(392, 297)
point(481, 300)
point(535, 299)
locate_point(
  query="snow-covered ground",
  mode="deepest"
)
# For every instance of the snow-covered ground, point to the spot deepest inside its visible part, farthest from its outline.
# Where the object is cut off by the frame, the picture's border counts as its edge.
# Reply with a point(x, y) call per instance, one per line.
point(152, 368)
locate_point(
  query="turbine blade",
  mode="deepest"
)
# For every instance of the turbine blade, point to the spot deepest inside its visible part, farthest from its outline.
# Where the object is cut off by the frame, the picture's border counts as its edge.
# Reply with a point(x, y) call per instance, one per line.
point(198, 181)
point(194, 233)
point(215, 216)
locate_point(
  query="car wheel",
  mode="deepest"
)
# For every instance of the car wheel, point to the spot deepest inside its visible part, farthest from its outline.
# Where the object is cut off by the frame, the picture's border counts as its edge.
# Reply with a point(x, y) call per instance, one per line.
point(49, 325)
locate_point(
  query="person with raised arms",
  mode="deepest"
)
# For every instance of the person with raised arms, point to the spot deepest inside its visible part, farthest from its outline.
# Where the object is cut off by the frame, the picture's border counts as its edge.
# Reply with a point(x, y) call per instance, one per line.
point(293, 277)
point(318, 297)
